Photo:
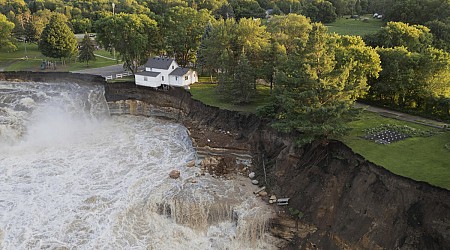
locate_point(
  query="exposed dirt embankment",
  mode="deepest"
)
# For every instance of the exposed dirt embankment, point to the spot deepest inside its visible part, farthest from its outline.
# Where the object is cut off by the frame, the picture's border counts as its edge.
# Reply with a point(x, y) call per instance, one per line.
point(59, 77)
point(344, 201)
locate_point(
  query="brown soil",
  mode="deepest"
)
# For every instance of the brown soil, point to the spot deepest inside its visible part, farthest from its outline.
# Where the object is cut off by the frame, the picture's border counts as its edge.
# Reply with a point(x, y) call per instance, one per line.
point(347, 202)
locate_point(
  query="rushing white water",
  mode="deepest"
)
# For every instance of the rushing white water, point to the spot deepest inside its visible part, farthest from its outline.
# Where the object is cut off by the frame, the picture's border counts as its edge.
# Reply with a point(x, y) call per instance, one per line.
point(71, 177)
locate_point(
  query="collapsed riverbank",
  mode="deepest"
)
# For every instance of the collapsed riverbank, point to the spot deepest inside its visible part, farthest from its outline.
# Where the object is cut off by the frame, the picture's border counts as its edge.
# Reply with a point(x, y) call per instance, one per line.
point(344, 201)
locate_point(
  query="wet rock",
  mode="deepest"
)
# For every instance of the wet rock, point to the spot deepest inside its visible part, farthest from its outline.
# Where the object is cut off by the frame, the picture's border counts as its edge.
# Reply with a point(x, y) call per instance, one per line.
point(205, 162)
point(190, 164)
point(251, 175)
point(255, 182)
point(174, 174)
point(272, 199)
point(214, 161)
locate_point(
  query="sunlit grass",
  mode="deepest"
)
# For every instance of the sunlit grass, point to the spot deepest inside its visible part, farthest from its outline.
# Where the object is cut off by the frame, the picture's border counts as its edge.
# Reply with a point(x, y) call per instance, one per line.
point(29, 58)
point(208, 94)
point(420, 158)
point(356, 27)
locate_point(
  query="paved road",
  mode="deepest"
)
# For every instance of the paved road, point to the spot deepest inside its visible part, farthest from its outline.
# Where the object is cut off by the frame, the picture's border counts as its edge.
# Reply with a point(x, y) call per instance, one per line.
point(103, 71)
point(401, 116)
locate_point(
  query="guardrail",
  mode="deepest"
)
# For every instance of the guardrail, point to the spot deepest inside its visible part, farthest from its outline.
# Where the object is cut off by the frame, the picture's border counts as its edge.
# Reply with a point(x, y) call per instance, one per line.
point(120, 75)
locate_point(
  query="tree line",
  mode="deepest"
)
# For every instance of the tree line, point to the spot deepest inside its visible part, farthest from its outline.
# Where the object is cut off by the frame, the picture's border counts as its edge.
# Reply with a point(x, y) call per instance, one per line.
point(314, 76)
point(416, 70)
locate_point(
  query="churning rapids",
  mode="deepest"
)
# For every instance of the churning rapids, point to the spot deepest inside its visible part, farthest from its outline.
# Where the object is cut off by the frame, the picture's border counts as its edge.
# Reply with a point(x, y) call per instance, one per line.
point(74, 177)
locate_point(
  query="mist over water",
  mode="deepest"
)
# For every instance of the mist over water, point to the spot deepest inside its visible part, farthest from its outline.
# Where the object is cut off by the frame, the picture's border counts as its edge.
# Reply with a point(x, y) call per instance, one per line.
point(72, 177)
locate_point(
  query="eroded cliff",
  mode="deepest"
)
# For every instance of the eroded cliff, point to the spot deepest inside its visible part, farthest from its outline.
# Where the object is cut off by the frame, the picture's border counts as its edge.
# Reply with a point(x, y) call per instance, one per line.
point(345, 202)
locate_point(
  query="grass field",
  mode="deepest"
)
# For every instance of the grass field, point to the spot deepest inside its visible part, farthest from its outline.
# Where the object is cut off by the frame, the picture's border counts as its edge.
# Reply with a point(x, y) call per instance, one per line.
point(348, 26)
point(208, 94)
point(420, 158)
point(29, 59)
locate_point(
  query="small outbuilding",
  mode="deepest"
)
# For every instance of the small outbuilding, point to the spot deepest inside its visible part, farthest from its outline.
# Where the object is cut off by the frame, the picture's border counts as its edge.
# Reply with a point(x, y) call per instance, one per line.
point(163, 71)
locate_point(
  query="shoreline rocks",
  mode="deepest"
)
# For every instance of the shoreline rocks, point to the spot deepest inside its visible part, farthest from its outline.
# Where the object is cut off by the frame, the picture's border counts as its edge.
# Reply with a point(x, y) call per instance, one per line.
point(174, 174)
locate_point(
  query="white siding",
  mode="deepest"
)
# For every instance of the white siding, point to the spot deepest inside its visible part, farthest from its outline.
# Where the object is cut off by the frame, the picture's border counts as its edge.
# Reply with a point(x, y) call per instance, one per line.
point(191, 78)
point(151, 81)
point(171, 80)
point(176, 81)
point(173, 66)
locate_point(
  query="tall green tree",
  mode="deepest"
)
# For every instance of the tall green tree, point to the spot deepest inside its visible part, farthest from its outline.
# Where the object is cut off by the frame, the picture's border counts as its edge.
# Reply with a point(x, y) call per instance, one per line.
point(441, 33)
point(211, 5)
point(289, 6)
point(409, 78)
point(415, 37)
point(81, 25)
point(133, 36)
point(57, 39)
point(252, 43)
point(13, 6)
point(416, 11)
point(184, 28)
point(202, 63)
point(289, 30)
point(6, 28)
point(40, 20)
point(241, 87)
point(232, 48)
point(320, 11)
point(435, 72)
point(86, 50)
point(286, 33)
point(247, 9)
point(161, 8)
point(320, 81)
point(216, 49)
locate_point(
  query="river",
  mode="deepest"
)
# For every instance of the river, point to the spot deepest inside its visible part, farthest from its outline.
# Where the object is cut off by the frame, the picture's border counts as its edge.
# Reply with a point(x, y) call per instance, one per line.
point(74, 177)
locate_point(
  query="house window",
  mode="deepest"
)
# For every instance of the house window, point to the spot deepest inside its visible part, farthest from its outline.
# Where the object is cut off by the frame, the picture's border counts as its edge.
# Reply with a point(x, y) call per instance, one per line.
point(186, 77)
point(162, 78)
point(145, 78)
point(176, 78)
point(173, 67)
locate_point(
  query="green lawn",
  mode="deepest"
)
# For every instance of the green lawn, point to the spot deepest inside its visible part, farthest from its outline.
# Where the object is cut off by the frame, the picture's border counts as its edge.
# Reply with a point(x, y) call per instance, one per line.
point(7, 58)
point(30, 59)
point(348, 26)
point(420, 158)
point(207, 93)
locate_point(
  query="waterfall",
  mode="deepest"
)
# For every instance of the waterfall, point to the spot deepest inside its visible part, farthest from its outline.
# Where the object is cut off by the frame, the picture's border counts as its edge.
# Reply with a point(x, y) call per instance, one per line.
point(72, 176)
point(47, 107)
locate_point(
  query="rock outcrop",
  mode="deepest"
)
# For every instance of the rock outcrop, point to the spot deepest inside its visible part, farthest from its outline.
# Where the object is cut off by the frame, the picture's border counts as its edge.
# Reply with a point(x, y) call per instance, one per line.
point(346, 202)
point(338, 200)
point(174, 174)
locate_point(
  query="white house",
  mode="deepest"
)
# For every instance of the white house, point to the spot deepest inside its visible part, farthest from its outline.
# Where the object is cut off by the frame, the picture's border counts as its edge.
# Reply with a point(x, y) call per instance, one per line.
point(161, 71)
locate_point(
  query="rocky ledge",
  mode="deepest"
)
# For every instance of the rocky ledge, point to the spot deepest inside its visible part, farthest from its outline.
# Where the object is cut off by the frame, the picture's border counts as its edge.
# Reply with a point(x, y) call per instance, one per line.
point(337, 199)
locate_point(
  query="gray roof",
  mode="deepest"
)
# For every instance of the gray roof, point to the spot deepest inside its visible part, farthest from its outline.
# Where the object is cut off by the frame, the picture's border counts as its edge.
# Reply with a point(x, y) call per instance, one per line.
point(159, 62)
point(179, 71)
point(148, 73)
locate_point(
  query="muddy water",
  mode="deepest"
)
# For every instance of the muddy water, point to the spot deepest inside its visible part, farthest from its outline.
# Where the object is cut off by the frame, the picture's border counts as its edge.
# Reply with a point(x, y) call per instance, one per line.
point(73, 177)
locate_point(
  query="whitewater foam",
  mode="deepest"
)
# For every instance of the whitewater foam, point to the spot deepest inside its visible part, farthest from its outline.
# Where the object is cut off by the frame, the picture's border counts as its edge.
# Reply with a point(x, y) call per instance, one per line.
point(73, 177)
